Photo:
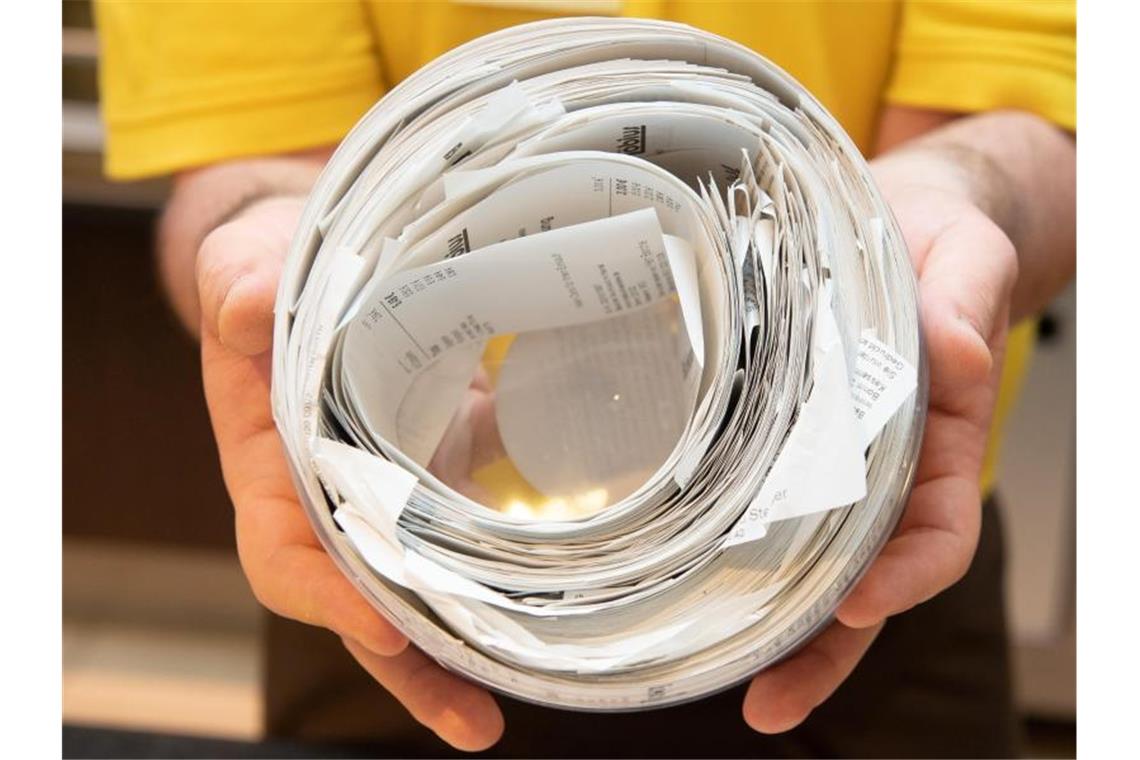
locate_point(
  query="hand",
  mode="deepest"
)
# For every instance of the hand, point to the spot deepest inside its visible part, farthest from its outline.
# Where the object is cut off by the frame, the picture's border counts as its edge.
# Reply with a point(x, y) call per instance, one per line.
point(471, 441)
point(966, 270)
point(239, 265)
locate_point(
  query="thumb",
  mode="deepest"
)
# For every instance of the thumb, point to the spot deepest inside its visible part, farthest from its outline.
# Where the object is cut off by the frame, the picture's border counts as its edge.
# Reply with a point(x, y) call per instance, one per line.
point(965, 282)
point(239, 265)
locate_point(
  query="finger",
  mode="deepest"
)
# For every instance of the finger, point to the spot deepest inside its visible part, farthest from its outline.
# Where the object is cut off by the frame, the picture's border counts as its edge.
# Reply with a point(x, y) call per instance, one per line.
point(486, 443)
point(965, 284)
point(932, 551)
point(459, 712)
point(938, 532)
point(303, 583)
point(966, 278)
point(780, 698)
point(239, 265)
point(287, 568)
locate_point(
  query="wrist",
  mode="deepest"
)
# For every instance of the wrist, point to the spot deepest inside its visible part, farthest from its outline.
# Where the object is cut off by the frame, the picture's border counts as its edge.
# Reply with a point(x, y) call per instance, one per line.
point(953, 170)
point(1017, 170)
point(208, 198)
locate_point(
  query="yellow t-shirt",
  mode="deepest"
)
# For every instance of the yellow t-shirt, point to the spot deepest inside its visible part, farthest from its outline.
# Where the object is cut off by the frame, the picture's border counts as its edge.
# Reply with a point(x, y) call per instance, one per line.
point(186, 84)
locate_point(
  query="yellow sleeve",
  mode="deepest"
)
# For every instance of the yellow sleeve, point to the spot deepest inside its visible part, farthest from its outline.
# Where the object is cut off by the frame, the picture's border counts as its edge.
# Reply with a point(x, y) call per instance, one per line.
point(979, 55)
point(185, 84)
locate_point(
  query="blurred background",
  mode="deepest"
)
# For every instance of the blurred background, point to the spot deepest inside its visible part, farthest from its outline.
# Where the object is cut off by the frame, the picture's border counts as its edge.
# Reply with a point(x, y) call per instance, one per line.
point(161, 644)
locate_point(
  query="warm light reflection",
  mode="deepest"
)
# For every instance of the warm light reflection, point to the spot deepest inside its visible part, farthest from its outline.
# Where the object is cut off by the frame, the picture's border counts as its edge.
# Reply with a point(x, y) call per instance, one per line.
point(579, 505)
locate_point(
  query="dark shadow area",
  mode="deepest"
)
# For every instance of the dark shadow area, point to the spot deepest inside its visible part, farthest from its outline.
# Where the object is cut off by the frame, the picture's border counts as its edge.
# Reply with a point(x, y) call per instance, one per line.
point(87, 742)
point(139, 462)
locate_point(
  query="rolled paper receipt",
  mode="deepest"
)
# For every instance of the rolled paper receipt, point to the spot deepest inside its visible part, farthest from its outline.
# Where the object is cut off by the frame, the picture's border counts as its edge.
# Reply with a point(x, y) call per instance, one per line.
point(597, 362)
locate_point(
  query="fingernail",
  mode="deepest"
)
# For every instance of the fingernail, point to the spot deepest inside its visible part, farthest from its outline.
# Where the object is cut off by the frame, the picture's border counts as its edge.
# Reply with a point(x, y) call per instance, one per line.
point(240, 327)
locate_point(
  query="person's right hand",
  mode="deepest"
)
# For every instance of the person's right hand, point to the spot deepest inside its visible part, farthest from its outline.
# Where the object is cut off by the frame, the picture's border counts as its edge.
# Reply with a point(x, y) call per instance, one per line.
point(239, 264)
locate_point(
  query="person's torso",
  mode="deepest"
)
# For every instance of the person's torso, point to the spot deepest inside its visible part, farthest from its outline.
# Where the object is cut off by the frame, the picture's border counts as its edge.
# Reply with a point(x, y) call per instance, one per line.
point(841, 52)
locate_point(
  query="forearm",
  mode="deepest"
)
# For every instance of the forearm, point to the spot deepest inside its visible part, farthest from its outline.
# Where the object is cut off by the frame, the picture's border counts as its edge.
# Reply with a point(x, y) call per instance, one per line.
point(1020, 171)
point(204, 199)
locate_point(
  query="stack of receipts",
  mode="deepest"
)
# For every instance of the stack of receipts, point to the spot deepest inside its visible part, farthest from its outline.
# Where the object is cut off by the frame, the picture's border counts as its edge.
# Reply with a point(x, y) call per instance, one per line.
point(597, 362)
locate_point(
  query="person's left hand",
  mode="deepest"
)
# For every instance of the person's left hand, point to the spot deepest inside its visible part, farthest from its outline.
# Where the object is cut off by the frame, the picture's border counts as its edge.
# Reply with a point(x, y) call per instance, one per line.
point(966, 269)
